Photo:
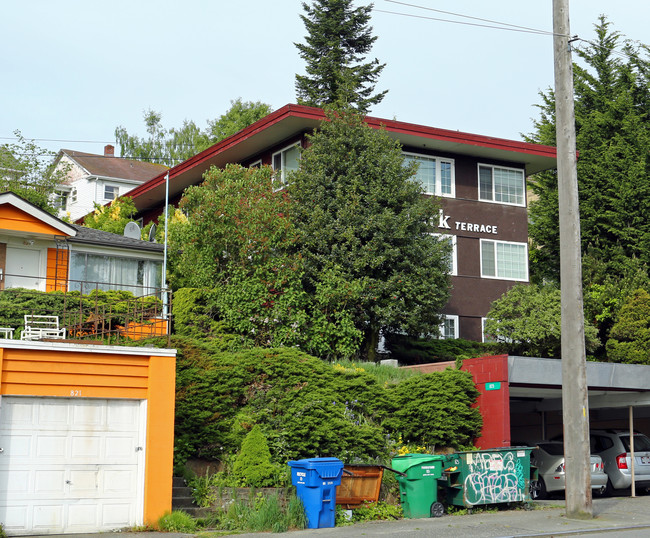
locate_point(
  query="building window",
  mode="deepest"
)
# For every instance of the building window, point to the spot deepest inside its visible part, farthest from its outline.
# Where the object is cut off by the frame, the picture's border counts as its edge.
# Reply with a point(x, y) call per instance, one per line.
point(111, 192)
point(93, 271)
point(500, 259)
point(61, 199)
point(435, 174)
point(449, 328)
point(73, 196)
point(491, 338)
point(486, 337)
point(285, 161)
point(453, 267)
point(503, 185)
point(256, 164)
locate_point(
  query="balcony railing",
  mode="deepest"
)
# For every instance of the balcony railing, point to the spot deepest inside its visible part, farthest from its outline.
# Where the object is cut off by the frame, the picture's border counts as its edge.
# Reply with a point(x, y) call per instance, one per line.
point(100, 312)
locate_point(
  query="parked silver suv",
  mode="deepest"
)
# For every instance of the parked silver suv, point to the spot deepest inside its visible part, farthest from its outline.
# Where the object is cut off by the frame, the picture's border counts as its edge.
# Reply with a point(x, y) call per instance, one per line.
point(613, 446)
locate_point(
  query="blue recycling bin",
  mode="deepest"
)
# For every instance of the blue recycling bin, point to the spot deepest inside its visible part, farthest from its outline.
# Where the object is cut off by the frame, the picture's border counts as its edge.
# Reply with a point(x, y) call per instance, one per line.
point(316, 480)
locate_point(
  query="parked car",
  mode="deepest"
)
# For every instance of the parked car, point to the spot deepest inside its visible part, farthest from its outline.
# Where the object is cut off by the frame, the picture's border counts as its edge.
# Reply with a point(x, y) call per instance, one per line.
point(613, 446)
point(548, 457)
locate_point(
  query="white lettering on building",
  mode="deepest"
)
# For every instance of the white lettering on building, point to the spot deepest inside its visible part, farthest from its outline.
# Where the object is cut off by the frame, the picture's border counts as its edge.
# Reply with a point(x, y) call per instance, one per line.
point(467, 226)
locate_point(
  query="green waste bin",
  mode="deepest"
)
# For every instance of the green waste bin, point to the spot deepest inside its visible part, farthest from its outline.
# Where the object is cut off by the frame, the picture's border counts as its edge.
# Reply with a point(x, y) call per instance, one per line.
point(418, 488)
point(498, 475)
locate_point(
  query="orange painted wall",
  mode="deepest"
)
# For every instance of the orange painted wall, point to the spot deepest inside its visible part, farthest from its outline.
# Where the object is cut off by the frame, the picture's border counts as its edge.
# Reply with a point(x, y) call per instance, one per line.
point(66, 372)
point(56, 273)
point(12, 218)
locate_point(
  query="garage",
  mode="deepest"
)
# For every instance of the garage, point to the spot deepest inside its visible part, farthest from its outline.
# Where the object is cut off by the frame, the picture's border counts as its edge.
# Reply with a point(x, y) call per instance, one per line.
point(71, 465)
point(86, 436)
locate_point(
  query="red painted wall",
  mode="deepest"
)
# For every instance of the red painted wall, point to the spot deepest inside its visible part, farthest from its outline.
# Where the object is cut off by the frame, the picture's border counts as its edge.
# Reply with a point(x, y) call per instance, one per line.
point(493, 404)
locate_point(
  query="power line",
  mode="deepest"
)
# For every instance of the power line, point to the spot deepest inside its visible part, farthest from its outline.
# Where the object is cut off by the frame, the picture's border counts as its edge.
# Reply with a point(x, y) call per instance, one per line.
point(501, 24)
point(495, 25)
point(57, 140)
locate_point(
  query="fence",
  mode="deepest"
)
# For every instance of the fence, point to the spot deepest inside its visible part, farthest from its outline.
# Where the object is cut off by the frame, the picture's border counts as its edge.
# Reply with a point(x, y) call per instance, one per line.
point(104, 312)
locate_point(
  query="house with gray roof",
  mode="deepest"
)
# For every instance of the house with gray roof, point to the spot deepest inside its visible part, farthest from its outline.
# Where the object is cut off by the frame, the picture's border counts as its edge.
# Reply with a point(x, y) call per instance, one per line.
point(41, 252)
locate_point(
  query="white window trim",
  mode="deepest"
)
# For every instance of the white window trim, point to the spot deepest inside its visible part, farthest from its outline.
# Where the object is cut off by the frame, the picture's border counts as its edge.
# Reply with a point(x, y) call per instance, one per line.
point(483, 320)
point(282, 180)
point(496, 262)
point(491, 340)
point(493, 166)
point(454, 252)
point(438, 173)
point(73, 196)
point(456, 327)
point(108, 186)
point(256, 164)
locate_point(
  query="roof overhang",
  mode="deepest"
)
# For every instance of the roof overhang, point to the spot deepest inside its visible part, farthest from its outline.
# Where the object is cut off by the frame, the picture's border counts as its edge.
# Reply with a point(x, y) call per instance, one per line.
point(9, 198)
point(292, 120)
point(609, 384)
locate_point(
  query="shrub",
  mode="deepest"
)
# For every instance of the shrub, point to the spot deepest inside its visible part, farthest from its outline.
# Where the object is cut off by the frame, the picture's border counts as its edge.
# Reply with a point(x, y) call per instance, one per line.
point(408, 350)
point(253, 463)
point(304, 407)
point(435, 409)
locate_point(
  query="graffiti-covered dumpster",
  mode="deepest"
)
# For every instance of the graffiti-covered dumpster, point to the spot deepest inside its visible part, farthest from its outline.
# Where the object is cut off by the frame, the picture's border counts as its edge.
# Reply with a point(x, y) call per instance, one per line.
point(499, 475)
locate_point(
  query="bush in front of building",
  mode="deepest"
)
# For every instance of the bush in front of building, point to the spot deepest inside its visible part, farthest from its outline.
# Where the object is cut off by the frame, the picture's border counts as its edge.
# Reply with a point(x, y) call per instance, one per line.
point(304, 407)
point(307, 407)
point(409, 350)
point(435, 410)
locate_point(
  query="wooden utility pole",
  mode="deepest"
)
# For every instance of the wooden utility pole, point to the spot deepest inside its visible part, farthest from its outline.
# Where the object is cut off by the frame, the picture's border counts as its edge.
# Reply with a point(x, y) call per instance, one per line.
point(575, 403)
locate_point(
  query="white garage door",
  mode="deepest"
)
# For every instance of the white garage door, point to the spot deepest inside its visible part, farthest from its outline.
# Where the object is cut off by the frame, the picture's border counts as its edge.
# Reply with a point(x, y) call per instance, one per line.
point(71, 465)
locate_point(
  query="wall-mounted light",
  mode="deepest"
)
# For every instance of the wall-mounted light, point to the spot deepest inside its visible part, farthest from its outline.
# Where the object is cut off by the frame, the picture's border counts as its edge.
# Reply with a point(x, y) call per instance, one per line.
point(28, 242)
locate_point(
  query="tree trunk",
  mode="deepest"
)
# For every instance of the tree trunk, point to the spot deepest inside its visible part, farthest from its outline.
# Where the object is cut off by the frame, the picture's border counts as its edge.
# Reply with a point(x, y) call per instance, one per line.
point(370, 342)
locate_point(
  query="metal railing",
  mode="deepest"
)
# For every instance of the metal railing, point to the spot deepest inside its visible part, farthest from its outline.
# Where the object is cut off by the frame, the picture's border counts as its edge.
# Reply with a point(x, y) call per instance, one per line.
point(101, 312)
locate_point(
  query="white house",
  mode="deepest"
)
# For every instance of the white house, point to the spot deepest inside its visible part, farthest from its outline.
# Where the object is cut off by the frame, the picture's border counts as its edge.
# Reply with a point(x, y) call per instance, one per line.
point(97, 179)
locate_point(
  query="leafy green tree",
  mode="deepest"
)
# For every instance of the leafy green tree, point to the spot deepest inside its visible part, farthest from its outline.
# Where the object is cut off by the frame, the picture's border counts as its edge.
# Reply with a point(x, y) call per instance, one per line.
point(113, 217)
point(240, 115)
point(527, 320)
point(612, 98)
point(359, 213)
point(629, 340)
point(238, 239)
point(338, 40)
point(175, 145)
point(24, 170)
point(164, 146)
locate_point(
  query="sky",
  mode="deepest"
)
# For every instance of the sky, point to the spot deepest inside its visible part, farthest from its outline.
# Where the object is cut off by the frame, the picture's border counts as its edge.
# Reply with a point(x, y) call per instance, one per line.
point(72, 71)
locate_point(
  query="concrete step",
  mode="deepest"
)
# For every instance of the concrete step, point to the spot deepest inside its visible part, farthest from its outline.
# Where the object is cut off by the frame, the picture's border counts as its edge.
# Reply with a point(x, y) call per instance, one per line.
point(182, 497)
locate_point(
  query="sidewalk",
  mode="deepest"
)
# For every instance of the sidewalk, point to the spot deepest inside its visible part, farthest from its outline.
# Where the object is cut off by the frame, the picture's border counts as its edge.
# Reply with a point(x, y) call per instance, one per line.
point(613, 514)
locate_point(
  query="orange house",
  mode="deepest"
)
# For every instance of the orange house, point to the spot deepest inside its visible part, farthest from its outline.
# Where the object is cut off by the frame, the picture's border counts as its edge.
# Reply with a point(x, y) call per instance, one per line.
point(41, 252)
point(86, 430)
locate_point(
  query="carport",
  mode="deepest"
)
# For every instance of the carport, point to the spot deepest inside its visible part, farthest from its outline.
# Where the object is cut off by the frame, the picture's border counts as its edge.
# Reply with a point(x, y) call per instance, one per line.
point(619, 397)
point(521, 397)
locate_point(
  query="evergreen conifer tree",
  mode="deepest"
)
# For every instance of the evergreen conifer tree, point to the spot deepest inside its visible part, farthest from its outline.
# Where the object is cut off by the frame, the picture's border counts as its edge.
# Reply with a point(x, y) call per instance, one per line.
point(338, 40)
point(612, 97)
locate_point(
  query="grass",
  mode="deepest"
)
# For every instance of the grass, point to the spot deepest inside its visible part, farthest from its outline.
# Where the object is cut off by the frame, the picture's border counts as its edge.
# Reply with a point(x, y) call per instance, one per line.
point(177, 521)
point(382, 373)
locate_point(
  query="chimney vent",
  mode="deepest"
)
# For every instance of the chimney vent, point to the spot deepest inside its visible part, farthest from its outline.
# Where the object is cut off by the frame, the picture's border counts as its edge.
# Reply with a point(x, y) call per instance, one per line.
point(109, 151)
